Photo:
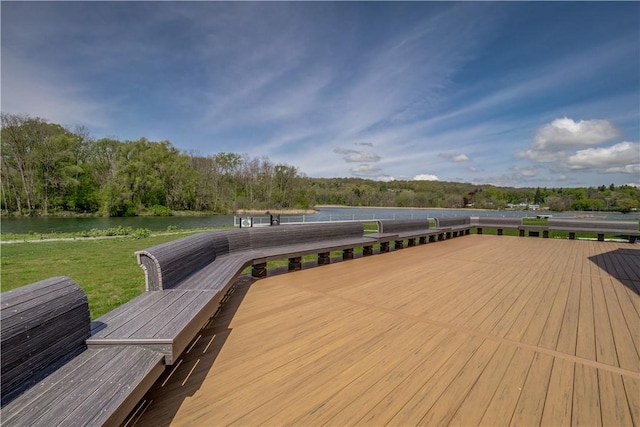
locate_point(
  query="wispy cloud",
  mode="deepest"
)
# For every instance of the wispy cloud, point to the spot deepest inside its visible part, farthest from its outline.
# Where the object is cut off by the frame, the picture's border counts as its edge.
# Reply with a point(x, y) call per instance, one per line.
point(623, 157)
point(454, 157)
point(365, 170)
point(355, 156)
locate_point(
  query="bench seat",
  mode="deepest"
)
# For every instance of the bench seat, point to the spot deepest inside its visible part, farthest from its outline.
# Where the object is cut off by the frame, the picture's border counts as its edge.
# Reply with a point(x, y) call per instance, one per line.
point(216, 276)
point(409, 229)
point(98, 387)
point(164, 321)
point(600, 228)
point(498, 223)
point(454, 226)
point(301, 249)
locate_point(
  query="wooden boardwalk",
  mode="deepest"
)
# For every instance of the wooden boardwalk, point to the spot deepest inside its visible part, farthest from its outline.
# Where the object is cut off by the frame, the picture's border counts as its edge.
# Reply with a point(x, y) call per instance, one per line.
point(477, 330)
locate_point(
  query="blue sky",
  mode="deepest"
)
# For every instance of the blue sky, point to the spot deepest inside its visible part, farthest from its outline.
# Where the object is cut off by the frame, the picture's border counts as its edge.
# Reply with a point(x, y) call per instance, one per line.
point(512, 94)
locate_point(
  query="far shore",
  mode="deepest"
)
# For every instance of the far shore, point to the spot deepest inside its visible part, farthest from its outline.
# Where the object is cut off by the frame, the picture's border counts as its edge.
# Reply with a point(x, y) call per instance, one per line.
point(401, 208)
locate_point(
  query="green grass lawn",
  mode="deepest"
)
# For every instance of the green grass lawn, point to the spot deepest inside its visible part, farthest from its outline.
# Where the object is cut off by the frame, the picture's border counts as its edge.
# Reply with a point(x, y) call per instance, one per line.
point(106, 269)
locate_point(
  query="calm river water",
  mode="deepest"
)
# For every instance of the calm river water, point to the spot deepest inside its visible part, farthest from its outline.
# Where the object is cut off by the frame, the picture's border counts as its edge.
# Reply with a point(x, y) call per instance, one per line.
point(48, 225)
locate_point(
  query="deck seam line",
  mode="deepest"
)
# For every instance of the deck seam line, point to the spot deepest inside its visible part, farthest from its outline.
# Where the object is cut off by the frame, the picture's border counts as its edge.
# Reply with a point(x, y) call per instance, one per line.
point(549, 352)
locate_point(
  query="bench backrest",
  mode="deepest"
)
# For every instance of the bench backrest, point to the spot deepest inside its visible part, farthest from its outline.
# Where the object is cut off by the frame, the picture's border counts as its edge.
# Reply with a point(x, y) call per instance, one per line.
point(560, 223)
point(452, 221)
point(167, 264)
point(239, 240)
point(497, 220)
point(402, 225)
point(284, 235)
point(42, 326)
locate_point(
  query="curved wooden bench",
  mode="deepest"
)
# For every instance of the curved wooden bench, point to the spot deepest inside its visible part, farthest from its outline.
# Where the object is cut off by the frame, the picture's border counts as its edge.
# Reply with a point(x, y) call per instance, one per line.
point(189, 277)
point(49, 377)
point(597, 227)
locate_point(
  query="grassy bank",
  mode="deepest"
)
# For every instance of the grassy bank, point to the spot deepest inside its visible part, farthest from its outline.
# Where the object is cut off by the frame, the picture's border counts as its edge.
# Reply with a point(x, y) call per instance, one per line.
point(105, 268)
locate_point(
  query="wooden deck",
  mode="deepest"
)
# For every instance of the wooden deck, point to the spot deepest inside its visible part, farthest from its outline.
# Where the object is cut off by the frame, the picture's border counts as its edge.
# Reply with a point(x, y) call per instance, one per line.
point(477, 330)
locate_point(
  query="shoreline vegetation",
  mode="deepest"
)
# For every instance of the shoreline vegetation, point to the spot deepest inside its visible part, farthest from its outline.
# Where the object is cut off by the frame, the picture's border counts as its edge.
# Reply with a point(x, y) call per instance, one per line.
point(49, 169)
point(309, 211)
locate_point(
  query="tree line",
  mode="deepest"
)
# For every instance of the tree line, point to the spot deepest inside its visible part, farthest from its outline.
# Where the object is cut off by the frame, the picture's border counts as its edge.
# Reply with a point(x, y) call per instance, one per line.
point(47, 168)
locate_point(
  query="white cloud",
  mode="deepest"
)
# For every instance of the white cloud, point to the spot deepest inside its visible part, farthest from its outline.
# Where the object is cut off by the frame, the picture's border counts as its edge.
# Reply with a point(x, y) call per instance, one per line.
point(454, 157)
point(623, 157)
point(553, 139)
point(355, 156)
point(565, 132)
point(426, 177)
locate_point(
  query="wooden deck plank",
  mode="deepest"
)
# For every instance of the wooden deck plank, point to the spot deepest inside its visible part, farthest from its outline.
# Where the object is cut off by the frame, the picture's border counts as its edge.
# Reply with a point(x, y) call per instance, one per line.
point(586, 397)
point(569, 329)
point(472, 406)
point(532, 399)
point(632, 388)
point(487, 330)
point(605, 344)
point(626, 350)
point(515, 309)
point(500, 410)
point(416, 405)
point(559, 400)
point(456, 392)
point(484, 319)
point(551, 331)
point(395, 399)
point(364, 393)
point(471, 298)
point(288, 406)
point(289, 378)
point(613, 400)
point(536, 326)
point(586, 339)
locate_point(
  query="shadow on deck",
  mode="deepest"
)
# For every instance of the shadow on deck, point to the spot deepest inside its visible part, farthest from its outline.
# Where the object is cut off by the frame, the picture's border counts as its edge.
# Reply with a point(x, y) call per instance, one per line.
point(197, 360)
point(622, 264)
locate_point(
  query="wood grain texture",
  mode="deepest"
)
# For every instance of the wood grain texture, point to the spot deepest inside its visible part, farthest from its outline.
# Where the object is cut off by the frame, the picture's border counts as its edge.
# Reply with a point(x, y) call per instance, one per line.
point(484, 330)
point(43, 325)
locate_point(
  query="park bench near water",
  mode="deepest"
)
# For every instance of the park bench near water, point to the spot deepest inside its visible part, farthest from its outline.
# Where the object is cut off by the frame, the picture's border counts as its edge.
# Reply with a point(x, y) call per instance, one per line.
point(411, 230)
point(188, 278)
point(498, 223)
point(50, 377)
point(454, 226)
point(209, 260)
point(597, 227)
